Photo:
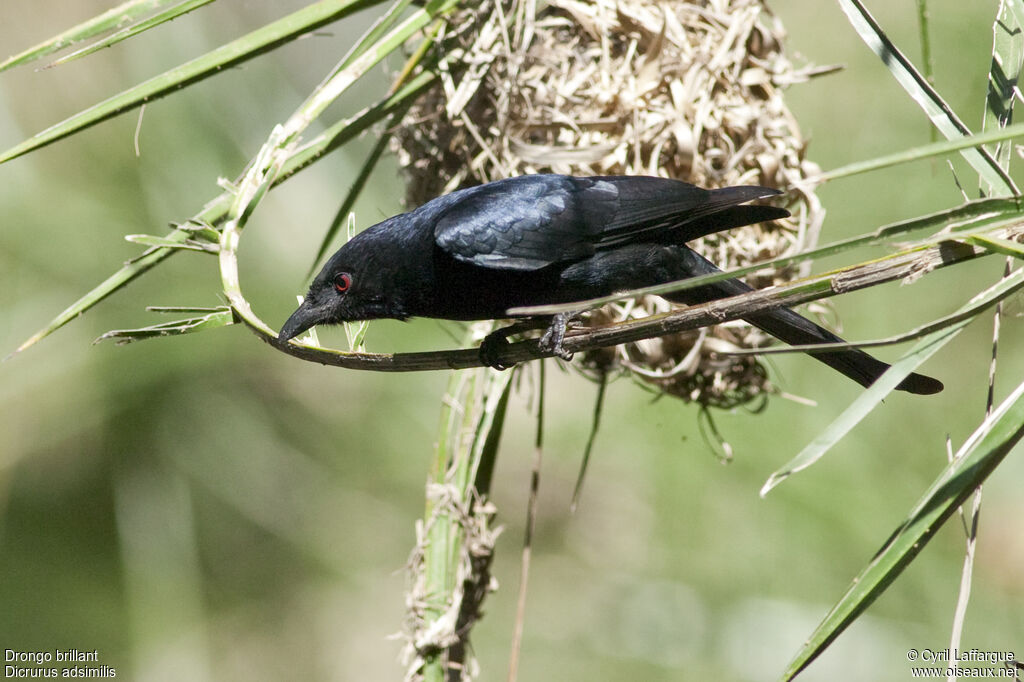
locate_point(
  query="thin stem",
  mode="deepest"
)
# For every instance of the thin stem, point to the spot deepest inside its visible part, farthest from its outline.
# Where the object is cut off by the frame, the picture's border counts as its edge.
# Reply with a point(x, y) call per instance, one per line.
point(531, 522)
point(927, 66)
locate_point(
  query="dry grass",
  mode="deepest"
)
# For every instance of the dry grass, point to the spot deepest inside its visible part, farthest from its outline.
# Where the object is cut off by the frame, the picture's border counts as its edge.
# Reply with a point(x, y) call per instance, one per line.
point(427, 634)
point(689, 90)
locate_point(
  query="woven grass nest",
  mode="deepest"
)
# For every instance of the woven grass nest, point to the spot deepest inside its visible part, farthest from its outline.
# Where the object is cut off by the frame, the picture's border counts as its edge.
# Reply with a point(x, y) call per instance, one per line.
point(687, 90)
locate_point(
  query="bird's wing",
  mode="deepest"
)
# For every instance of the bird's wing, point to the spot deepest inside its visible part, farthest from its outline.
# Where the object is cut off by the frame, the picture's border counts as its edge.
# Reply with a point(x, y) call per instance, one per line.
point(660, 209)
point(523, 223)
point(530, 222)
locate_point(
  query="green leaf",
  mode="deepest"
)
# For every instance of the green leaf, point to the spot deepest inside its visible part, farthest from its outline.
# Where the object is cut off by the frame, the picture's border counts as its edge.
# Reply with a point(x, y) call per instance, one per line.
point(996, 244)
point(261, 40)
point(577, 491)
point(376, 32)
point(161, 17)
point(926, 51)
point(974, 462)
point(344, 131)
point(870, 398)
point(203, 230)
point(120, 278)
point(169, 243)
point(179, 309)
point(924, 152)
point(111, 19)
point(355, 332)
point(942, 116)
point(1004, 73)
point(489, 429)
point(217, 317)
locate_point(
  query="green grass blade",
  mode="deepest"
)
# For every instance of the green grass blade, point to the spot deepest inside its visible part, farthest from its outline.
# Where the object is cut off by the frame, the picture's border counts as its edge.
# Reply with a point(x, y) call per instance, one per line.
point(1004, 73)
point(490, 426)
point(251, 45)
point(472, 418)
point(996, 244)
point(975, 461)
point(165, 242)
point(924, 152)
point(355, 332)
point(180, 309)
point(342, 77)
point(874, 395)
point(926, 52)
point(216, 318)
point(109, 20)
point(111, 284)
point(346, 130)
point(166, 15)
point(595, 423)
point(940, 113)
point(376, 32)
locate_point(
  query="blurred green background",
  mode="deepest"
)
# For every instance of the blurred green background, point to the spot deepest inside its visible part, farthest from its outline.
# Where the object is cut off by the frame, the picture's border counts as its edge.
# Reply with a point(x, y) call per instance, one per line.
point(204, 508)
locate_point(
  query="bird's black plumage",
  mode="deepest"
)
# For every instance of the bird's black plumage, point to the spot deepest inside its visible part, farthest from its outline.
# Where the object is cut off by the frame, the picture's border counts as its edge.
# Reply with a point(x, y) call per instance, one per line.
point(540, 239)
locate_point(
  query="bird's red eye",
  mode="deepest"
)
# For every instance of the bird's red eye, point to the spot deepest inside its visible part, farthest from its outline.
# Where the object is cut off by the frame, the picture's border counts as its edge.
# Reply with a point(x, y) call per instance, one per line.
point(342, 282)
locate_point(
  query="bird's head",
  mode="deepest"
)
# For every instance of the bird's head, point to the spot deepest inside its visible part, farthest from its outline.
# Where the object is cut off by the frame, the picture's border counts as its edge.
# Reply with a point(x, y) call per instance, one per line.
point(350, 287)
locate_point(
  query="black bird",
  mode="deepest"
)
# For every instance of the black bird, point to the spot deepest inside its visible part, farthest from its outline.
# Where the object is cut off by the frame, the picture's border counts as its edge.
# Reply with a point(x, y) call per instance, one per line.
point(541, 239)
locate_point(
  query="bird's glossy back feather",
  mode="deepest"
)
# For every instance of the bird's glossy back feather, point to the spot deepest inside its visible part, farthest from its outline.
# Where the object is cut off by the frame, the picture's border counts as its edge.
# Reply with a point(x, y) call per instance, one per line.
point(534, 221)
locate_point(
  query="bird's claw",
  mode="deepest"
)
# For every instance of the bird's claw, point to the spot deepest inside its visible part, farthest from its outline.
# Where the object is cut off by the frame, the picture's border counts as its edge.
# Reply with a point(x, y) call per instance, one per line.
point(551, 341)
point(490, 350)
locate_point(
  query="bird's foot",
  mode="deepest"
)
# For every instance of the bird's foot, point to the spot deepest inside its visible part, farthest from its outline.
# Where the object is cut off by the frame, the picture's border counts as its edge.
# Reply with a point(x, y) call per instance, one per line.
point(495, 342)
point(491, 347)
point(551, 341)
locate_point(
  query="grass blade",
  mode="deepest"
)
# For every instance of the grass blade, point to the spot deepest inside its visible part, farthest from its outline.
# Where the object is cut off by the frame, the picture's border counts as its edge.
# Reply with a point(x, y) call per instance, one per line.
point(870, 398)
point(975, 461)
point(926, 52)
point(376, 32)
point(1004, 73)
point(924, 152)
point(166, 15)
point(490, 427)
point(996, 244)
point(577, 490)
point(215, 318)
point(165, 242)
point(108, 286)
point(348, 129)
point(107, 21)
point(940, 113)
point(243, 49)
point(1007, 51)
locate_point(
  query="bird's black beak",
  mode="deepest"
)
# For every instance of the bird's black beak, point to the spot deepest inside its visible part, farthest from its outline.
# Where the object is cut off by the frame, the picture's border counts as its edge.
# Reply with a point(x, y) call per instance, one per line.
point(302, 319)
